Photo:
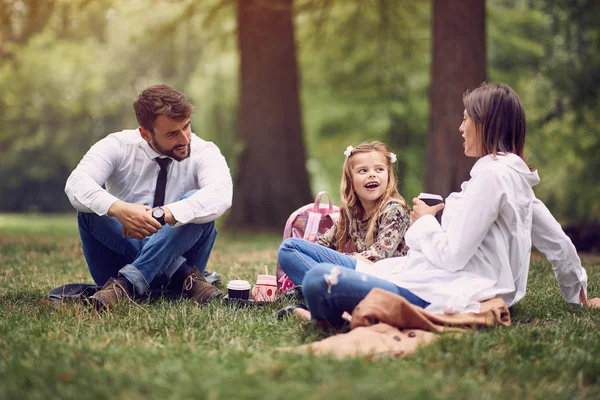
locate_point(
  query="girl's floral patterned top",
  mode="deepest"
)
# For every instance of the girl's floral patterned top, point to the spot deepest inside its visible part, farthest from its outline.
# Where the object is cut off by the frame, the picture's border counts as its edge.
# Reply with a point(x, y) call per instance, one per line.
point(388, 235)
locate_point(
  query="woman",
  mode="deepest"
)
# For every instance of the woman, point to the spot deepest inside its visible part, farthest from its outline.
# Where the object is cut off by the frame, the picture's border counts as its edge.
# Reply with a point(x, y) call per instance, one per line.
point(482, 248)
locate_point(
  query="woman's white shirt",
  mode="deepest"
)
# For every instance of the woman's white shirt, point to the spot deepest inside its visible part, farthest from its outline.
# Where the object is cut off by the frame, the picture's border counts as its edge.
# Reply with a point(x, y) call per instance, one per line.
point(549, 238)
point(482, 248)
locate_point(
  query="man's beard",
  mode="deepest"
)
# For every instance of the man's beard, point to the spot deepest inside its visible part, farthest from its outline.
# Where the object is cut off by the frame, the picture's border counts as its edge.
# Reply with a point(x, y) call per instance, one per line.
point(171, 153)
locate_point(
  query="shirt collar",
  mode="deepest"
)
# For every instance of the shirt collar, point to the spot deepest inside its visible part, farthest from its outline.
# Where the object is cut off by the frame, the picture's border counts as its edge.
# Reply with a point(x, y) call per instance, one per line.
point(506, 158)
point(511, 160)
point(149, 151)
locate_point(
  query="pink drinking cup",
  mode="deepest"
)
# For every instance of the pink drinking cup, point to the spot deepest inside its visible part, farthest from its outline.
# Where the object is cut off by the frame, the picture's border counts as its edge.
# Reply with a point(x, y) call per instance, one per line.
point(265, 288)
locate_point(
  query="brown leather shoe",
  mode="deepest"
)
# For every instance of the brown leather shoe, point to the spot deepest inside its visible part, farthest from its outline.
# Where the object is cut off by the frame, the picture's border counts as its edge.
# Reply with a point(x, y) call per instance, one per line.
point(111, 293)
point(197, 287)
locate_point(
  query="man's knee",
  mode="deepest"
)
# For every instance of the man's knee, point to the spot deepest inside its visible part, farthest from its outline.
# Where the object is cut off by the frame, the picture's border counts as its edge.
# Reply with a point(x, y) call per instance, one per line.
point(83, 218)
point(209, 228)
point(207, 232)
point(86, 220)
point(212, 231)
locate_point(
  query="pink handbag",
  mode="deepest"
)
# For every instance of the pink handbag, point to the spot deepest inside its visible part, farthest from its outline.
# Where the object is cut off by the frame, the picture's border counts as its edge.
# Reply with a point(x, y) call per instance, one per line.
point(308, 222)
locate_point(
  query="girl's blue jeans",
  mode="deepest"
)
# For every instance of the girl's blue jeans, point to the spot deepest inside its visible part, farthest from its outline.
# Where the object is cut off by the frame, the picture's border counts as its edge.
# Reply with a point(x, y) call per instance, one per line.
point(297, 256)
point(330, 283)
point(109, 254)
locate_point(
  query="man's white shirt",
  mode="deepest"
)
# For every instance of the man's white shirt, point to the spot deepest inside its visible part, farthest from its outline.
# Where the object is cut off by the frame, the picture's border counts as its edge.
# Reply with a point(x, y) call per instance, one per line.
point(125, 164)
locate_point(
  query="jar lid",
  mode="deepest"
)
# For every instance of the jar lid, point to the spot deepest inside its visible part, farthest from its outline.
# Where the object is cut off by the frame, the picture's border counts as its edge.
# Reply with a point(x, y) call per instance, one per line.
point(267, 279)
point(238, 284)
point(430, 196)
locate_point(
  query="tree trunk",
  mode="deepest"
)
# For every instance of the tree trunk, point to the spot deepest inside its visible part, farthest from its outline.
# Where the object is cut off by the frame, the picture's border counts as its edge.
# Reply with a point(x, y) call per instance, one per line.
point(271, 179)
point(458, 64)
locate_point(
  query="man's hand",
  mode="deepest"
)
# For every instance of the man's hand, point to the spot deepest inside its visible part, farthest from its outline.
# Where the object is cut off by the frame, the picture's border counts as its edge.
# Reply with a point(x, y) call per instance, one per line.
point(420, 208)
point(169, 218)
point(136, 219)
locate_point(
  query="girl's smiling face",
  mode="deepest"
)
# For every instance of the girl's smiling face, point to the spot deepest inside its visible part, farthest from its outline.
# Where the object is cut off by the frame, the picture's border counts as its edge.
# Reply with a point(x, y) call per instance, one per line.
point(369, 178)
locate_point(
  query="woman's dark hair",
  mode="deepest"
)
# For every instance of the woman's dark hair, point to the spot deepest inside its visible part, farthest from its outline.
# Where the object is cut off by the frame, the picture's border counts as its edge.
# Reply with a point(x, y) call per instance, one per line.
point(499, 117)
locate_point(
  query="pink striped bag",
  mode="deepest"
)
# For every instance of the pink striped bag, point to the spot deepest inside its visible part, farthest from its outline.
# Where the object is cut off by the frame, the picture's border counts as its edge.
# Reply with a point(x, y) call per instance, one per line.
point(307, 222)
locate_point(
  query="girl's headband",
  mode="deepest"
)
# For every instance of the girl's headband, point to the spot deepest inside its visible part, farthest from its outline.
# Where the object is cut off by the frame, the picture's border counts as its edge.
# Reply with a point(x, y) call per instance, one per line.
point(350, 149)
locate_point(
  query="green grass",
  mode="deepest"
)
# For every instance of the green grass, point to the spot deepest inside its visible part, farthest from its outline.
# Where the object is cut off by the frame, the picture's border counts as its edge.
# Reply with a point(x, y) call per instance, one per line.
point(174, 349)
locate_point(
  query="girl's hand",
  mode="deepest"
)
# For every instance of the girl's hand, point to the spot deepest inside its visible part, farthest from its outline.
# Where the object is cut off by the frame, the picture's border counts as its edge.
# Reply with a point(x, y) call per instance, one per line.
point(420, 209)
point(361, 258)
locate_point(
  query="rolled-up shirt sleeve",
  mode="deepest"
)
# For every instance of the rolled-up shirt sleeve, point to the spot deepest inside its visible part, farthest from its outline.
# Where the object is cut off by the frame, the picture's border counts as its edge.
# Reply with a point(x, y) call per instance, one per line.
point(215, 192)
point(452, 250)
point(84, 185)
point(549, 238)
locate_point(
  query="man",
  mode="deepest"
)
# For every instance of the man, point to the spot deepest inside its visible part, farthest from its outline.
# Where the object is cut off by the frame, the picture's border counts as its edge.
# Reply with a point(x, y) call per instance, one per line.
point(147, 200)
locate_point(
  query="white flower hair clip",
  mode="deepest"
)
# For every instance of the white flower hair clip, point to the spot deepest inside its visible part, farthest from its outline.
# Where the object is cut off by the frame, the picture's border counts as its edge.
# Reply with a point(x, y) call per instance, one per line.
point(393, 158)
point(348, 151)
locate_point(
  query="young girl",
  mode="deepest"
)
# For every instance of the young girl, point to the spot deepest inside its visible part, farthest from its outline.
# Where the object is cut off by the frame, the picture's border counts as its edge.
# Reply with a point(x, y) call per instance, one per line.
point(482, 248)
point(373, 217)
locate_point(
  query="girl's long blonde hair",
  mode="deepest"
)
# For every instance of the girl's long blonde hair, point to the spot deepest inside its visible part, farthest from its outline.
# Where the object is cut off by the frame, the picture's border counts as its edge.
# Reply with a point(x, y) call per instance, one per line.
point(350, 206)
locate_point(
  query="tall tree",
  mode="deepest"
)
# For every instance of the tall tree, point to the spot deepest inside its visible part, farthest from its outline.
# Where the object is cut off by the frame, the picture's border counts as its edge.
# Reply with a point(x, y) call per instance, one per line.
point(458, 63)
point(271, 179)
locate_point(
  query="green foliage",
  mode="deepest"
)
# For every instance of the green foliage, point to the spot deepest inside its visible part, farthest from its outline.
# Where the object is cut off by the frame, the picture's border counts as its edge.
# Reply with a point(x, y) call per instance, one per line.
point(547, 51)
point(175, 349)
point(365, 76)
point(67, 86)
point(69, 71)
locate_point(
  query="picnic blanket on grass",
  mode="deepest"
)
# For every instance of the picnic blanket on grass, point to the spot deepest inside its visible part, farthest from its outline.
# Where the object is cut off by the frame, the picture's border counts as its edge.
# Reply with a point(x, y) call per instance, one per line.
point(384, 324)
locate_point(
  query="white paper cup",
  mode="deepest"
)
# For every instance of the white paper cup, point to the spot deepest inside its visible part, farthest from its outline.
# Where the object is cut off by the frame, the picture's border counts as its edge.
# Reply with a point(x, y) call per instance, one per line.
point(238, 289)
point(431, 200)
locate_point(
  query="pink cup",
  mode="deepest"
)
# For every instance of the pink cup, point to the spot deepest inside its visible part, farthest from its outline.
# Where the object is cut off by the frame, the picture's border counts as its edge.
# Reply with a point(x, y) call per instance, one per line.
point(265, 288)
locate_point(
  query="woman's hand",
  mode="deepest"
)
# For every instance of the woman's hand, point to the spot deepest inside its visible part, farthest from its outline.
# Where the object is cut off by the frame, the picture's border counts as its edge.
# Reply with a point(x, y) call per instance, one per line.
point(591, 303)
point(420, 208)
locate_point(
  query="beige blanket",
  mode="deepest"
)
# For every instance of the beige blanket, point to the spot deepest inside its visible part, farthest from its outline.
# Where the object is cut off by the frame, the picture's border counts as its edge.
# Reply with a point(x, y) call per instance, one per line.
point(385, 324)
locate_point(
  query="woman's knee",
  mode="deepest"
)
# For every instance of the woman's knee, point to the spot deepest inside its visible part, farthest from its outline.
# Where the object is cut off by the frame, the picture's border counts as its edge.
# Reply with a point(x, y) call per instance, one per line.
point(314, 282)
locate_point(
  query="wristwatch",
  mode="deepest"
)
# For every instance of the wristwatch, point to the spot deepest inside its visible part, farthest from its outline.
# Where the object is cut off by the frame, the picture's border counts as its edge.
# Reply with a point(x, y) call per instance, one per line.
point(159, 214)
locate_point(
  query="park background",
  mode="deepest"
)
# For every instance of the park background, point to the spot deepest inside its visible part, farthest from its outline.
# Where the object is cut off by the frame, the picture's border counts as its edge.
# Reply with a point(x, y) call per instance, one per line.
point(282, 87)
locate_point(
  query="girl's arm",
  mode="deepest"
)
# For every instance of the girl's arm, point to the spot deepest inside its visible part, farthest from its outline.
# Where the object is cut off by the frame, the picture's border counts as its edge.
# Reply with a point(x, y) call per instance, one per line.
point(328, 238)
point(452, 250)
point(393, 223)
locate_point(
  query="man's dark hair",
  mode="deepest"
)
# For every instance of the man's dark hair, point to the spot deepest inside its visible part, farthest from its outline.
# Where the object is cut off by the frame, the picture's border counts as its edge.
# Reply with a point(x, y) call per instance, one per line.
point(160, 100)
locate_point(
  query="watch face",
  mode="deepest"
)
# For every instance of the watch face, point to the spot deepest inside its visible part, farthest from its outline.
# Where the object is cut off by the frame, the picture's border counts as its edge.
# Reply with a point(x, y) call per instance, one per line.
point(158, 213)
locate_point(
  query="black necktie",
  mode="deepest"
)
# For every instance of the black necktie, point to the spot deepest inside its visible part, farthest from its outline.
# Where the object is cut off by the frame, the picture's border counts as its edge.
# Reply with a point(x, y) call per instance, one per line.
point(161, 181)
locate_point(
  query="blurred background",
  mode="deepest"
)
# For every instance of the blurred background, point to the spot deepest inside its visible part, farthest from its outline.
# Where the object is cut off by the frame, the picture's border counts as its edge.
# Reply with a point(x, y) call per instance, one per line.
point(283, 86)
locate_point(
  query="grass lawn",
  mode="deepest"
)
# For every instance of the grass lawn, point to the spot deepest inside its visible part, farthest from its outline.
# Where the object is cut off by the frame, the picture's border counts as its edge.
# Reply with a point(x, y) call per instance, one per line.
point(174, 349)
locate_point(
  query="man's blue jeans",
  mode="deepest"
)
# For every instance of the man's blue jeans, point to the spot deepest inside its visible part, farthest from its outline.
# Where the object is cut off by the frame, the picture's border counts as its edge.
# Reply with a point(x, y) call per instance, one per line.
point(297, 256)
point(109, 254)
point(329, 292)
